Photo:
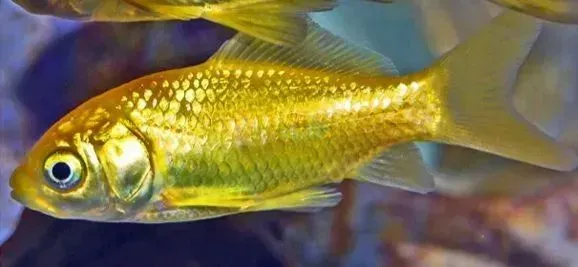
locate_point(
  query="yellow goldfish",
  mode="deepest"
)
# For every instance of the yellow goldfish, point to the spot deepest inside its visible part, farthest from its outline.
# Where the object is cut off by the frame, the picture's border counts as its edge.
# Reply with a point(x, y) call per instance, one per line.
point(282, 22)
point(265, 127)
point(562, 11)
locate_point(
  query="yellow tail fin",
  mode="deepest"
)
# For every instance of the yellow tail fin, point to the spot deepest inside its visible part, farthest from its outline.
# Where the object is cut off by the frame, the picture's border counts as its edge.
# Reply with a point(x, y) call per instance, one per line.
point(280, 22)
point(476, 81)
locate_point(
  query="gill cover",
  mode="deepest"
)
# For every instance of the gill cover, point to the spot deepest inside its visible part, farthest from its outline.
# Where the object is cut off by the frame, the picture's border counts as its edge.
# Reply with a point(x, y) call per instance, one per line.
point(126, 164)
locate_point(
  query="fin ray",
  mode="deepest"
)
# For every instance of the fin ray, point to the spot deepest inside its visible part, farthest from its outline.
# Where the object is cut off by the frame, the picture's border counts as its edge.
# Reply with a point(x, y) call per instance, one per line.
point(320, 50)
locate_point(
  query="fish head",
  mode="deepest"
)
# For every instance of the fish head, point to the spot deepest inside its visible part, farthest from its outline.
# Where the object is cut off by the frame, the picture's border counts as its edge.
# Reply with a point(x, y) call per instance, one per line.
point(90, 166)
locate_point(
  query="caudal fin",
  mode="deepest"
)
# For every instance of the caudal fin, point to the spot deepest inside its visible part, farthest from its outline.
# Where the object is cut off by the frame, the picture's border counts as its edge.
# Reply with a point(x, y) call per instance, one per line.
point(476, 81)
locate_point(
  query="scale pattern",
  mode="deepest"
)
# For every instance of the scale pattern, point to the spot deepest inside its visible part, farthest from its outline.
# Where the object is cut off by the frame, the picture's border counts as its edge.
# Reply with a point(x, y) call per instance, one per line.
point(265, 130)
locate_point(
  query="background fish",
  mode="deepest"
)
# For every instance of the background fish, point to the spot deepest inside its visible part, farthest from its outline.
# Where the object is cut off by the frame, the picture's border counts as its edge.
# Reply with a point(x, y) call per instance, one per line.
point(261, 127)
point(277, 21)
point(562, 11)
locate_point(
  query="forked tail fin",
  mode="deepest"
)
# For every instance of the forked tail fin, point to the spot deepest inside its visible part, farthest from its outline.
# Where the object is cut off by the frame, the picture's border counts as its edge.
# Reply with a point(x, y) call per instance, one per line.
point(476, 81)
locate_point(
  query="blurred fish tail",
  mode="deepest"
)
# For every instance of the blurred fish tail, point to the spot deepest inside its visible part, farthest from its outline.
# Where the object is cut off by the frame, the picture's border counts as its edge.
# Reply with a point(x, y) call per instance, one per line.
point(475, 82)
point(560, 11)
point(381, 1)
point(277, 21)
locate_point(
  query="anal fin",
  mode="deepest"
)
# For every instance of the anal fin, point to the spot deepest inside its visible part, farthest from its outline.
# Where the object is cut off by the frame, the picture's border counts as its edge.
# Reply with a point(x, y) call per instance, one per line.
point(400, 166)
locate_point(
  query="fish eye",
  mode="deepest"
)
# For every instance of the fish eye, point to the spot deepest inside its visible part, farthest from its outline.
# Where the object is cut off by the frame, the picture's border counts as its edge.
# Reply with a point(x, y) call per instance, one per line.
point(63, 170)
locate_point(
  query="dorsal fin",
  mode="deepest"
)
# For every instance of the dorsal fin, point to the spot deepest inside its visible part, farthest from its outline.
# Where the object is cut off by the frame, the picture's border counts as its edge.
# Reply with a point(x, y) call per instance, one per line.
point(320, 50)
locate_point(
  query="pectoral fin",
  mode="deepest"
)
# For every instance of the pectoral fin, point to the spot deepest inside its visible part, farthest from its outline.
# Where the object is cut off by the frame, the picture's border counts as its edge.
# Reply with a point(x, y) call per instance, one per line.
point(308, 200)
point(206, 197)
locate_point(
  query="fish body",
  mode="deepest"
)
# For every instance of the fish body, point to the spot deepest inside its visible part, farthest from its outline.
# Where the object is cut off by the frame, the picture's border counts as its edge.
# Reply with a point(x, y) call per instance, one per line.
point(262, 127)
point(281, 22)
point(561, 11)
point(271, 130)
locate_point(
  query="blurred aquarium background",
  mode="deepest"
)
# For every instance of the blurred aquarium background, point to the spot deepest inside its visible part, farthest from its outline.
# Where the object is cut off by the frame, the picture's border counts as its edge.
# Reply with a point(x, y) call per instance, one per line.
point(50, 65)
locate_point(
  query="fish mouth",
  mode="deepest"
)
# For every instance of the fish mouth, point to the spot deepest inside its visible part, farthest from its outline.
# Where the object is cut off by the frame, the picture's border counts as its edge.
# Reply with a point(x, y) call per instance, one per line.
point(15, 196)
point(20, 189)
point(26, 193)
point(25, 197)
point(15, 193)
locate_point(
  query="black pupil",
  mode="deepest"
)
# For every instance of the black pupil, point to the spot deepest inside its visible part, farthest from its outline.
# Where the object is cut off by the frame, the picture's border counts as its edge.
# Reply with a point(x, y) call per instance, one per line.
point(61, 171)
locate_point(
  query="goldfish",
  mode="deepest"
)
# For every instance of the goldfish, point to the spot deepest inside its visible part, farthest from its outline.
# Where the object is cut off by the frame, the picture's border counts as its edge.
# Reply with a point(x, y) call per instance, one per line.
point(281, 22)
point(561, 11)
point(265, 127)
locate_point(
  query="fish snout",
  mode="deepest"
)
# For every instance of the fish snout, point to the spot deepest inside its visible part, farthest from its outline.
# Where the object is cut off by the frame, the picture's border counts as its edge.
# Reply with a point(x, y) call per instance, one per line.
point(15, 180)
point(25, 191)
point(19, 186)
point(20, 189)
